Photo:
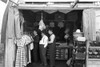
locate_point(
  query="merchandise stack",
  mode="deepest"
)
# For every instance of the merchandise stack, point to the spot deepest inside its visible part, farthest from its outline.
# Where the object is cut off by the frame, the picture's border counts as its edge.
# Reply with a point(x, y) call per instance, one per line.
point(79, 53)
point(61, 51)
point(93, 56)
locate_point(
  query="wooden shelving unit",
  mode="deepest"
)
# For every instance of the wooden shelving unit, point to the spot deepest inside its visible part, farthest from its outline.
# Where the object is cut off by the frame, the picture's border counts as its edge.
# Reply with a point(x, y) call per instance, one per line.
point(61, 51)
point(79, 54)
point(93, 56)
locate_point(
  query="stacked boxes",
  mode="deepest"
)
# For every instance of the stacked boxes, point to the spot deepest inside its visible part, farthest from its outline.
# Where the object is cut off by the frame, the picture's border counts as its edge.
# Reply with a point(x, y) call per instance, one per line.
point(79, 56)
point(93, 56)
point(80, 51)
point(61, 53)
point(94, 53)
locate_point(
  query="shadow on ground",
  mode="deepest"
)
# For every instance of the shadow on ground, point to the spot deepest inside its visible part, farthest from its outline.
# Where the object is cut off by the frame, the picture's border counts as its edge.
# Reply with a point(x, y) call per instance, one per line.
point(58, 64)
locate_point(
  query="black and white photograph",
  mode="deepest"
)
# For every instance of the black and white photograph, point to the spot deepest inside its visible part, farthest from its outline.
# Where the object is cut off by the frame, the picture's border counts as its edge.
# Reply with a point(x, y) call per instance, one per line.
point(49, 33)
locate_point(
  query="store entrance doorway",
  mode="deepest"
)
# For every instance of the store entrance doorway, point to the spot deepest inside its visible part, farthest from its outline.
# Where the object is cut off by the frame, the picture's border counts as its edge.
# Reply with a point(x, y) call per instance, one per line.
point(9, 61)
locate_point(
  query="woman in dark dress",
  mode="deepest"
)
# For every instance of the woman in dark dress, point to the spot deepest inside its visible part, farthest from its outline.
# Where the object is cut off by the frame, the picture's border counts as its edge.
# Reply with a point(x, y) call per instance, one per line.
point(36, 46)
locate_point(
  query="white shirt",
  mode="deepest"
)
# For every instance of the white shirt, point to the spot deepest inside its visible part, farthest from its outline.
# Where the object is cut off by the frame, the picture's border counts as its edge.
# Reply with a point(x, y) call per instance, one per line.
point(52, 37)
point(44, 41)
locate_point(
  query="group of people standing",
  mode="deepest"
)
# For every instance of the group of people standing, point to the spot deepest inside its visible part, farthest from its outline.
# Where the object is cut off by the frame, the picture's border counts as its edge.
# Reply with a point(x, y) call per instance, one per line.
point(43, 40)
point(35, 47)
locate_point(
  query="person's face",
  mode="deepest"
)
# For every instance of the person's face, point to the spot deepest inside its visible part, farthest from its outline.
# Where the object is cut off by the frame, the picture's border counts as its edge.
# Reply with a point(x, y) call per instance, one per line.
point(35, 33)
point(50, 32)
point(52, 24)
point(66, 31)
point(42, 34)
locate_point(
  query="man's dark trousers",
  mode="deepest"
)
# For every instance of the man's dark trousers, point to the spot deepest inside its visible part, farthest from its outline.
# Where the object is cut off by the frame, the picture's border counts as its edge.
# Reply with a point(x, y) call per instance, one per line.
point(52, 50)
point(43, 54)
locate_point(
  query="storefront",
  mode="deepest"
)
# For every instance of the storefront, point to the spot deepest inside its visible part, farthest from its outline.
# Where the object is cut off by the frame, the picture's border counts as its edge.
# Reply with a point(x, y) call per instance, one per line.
point(71, 15)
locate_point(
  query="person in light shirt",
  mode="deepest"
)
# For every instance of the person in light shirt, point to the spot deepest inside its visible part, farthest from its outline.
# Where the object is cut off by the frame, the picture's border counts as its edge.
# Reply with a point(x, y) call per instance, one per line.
point(43, 44)
point(52, 47)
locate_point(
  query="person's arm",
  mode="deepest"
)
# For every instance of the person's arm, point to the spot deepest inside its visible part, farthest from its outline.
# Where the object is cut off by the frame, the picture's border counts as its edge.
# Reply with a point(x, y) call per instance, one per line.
point(52, 39)
point(45, 42)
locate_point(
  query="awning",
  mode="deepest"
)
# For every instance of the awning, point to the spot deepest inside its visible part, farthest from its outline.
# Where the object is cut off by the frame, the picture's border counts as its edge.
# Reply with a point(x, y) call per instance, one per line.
point(52, 11)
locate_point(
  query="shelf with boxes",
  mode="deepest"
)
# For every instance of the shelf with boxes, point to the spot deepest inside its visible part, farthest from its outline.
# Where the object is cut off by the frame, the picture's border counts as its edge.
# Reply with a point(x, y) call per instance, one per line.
point(94, 51)
point(93, 54)
point(61, 51)
point(79, 51)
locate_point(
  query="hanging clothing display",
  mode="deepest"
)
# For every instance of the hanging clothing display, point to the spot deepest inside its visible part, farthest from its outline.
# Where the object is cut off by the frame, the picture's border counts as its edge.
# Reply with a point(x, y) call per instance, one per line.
point(52, 11)
point(13, 31)
point(21, 18)
point(97, 18)
point(23, 51)
point(17, 24)
point(10, 34)
point(89, 24)
point(42, 25)
point(85, 24)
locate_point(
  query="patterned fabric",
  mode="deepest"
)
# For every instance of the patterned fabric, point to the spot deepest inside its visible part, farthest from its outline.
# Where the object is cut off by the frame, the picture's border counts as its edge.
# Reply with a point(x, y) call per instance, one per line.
point(21, 59)
point(21, 56)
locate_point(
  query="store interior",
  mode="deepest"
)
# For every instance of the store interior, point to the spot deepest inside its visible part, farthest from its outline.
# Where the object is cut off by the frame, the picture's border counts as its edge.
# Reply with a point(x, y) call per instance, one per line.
point(72, 20)
point(63, 22)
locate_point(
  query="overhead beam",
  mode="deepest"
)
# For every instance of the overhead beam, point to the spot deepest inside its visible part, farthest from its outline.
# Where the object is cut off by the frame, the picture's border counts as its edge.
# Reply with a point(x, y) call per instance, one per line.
point(48, 0)
point(76, 1)
point(89, 0)
point(55, 6)
point(59, 0)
